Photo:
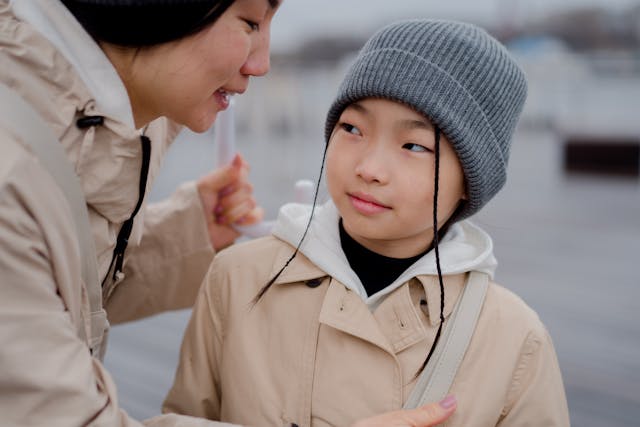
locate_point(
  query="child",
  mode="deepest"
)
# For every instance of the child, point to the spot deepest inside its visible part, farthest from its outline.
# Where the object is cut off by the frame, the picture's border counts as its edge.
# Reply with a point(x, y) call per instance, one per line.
point(417, 141)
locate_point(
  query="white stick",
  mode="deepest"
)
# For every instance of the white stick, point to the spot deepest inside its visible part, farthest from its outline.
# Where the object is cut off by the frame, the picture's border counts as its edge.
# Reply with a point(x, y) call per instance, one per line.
point(304, 190)
point(225, 140)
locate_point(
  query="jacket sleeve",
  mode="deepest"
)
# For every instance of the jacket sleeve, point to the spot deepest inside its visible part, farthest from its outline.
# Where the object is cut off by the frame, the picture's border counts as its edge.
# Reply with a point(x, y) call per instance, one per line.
point(536, 397)
point(47, 375)
point(164, 271)
point(196, 387)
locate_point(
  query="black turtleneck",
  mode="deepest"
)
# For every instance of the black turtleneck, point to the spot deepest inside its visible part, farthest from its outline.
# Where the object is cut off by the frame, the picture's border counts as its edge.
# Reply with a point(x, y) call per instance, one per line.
point(375, 271)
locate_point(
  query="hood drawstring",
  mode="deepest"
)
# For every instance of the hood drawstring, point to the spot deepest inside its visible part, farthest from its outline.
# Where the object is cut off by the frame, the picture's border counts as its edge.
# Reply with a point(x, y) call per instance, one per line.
point(437, 132)
point(127, 226)
point(435, 246)
point(266, 287)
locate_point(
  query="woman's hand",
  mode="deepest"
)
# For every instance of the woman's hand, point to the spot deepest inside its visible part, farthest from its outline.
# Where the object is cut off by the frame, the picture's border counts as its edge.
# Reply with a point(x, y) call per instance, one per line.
point(424, 416)
point(227, 198)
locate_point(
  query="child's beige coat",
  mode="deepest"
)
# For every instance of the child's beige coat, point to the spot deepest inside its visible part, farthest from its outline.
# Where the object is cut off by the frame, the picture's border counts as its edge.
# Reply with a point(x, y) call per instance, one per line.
point(312, 352)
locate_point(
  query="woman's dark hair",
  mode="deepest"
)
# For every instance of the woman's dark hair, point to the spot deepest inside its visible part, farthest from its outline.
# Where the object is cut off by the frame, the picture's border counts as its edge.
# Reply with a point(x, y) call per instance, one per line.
point(143, 23)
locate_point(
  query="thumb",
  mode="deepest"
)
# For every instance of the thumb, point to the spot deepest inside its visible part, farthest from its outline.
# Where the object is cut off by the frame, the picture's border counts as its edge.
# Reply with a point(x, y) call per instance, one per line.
point(221, 177)
point(424, 416)
point(434, 413)
point(238, 162)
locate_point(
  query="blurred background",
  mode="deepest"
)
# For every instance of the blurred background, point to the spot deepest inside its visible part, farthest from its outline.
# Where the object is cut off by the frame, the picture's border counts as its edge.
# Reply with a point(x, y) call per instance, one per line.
point(566, 227)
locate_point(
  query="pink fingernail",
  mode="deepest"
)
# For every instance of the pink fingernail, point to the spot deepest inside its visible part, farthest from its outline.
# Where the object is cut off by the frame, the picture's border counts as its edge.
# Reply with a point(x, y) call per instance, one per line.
point(226, 190)
point(448, 402)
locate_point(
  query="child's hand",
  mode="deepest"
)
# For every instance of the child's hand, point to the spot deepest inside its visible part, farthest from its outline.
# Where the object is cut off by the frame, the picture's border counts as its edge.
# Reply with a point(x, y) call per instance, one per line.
point(424, 416)
point(227, 198)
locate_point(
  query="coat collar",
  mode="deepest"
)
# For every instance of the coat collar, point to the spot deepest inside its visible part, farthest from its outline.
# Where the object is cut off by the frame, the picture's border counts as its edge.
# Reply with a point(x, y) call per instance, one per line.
point(464, 248)
point(394, 324)
point(426, 287)
point(59, 26)
point(300, 269)
point(107, 158)
point(453, 286)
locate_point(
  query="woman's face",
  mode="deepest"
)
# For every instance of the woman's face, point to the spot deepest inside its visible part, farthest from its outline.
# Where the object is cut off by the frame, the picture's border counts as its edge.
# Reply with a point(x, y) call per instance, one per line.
point(190, 80)
point(380, 174)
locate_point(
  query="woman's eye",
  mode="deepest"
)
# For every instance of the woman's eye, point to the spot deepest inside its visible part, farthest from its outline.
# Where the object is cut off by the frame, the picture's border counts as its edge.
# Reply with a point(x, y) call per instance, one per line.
point(253, 26)
point(417, 148)
point(350, 128)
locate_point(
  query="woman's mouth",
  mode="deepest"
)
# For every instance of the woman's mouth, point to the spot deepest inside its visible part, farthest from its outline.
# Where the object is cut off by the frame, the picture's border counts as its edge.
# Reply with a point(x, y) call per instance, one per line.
point(366, 205)
point(223, 98)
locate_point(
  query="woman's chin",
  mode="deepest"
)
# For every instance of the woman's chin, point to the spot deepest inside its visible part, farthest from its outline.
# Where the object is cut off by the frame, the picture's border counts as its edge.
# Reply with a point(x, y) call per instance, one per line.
point(202, 124)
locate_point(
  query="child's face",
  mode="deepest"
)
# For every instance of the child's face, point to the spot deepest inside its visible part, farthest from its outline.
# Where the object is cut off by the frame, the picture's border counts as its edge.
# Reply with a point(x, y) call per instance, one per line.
point(380, 174)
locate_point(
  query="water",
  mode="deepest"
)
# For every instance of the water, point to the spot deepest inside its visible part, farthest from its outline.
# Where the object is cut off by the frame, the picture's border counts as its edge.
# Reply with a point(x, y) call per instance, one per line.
point(567, 244)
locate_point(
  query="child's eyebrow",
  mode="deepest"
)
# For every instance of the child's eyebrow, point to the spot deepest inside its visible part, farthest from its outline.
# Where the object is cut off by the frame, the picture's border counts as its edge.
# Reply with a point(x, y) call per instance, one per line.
point(408, 124)
point(411, 124)
point(359, 108)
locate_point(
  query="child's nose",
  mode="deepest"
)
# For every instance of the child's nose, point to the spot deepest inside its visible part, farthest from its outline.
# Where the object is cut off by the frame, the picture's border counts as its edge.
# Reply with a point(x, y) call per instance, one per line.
point(373, 167)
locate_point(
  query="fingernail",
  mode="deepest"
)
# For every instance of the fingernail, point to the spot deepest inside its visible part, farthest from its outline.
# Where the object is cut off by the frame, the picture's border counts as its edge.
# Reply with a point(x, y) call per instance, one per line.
point(448, 402)
point(218, 210)
point(226, 190)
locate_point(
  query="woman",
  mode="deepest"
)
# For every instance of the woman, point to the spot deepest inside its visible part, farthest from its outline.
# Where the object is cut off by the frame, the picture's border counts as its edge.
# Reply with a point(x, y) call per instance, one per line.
point(114, 81)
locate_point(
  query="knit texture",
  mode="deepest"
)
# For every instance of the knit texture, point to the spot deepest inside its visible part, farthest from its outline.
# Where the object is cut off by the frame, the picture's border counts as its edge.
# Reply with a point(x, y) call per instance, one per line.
point(460, 78)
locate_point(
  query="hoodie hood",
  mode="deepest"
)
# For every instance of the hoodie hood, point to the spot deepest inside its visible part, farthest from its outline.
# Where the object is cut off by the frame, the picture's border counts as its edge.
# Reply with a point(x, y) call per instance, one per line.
point(464, 248)
point(58, 25)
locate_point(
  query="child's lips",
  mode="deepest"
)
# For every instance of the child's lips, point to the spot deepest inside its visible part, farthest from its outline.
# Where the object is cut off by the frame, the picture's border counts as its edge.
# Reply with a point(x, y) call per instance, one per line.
point(366, 204)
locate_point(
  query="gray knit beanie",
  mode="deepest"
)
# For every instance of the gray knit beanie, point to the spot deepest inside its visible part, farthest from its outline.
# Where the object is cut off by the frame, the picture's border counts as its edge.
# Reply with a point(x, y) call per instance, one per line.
point(459, 77)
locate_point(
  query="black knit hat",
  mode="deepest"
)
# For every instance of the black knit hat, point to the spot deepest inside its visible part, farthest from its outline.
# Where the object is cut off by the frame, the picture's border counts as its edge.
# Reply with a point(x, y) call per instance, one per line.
point(138, 23)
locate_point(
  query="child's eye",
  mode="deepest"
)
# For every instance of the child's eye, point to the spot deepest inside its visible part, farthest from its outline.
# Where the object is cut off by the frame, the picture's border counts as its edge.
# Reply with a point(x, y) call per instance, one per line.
point(350, 128)
point(417, 148)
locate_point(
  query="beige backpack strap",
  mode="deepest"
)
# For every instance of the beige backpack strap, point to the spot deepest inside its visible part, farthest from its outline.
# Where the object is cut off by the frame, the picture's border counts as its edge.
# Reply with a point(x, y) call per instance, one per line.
point(16, 114)
point(436, 378)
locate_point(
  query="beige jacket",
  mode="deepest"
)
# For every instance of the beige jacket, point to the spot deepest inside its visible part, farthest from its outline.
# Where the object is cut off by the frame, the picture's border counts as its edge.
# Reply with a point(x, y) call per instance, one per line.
point(316, 351)
point(47, 376)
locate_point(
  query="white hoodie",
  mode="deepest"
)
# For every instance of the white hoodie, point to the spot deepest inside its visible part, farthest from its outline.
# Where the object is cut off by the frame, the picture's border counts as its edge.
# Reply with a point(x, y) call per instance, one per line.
point(465, 247)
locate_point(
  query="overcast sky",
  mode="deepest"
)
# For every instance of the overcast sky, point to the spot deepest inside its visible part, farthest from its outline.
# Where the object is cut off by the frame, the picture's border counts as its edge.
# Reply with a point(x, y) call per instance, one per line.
point(299, 19)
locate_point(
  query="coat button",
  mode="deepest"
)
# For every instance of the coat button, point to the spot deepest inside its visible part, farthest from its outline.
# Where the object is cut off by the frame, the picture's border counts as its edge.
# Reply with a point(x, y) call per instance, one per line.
point(313, 283)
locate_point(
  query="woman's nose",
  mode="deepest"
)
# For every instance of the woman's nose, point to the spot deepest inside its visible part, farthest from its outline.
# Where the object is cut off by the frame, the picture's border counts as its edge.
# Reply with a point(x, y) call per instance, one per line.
point(258, 63)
